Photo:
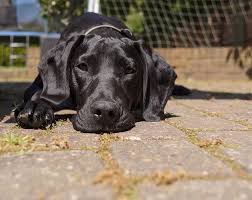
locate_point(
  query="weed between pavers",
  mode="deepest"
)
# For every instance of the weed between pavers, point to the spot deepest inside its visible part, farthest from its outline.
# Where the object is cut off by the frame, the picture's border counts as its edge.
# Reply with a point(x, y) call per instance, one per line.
point(204, 113)
point(14, 142)
point(213, 148)
point(210, 143)
point(126, 184)
point(166, 177)
point(11, 142)
point(214, 114)
point(113, 175)
point(244, 123)
point(60, 142)
point(13, 139)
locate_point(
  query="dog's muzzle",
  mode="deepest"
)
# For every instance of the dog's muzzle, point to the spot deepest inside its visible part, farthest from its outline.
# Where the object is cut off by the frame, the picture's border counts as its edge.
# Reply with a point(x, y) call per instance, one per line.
point(105, 113)
point(103, 116)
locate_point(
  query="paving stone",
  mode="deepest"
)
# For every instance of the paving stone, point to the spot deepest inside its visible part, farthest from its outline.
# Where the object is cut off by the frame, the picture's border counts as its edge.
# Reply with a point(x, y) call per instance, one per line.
point(224, 87)
point(152, 131)
point(198, 190)
point(8, 122)
point(237, 145)
point(63, 132)
point(206, 123)
point(243, 118)
point(179, 110)
point(193, 119)
point(219, 105)
point(67, 175)
point(89, 192)
point(147, 148)
point(144, 157)
point(72, 140)
point(235, 110)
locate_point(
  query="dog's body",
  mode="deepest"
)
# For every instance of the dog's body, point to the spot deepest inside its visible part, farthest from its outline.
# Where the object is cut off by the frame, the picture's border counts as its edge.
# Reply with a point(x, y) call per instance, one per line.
point(99, 69)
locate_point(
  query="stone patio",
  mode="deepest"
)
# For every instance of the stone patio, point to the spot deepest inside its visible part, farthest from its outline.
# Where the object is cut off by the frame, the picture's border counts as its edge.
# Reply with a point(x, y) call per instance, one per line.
point(202, 150)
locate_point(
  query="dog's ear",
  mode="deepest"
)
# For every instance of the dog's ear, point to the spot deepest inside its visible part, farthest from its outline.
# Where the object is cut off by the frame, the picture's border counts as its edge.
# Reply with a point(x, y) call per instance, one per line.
point(159, 79)
point(55, 73)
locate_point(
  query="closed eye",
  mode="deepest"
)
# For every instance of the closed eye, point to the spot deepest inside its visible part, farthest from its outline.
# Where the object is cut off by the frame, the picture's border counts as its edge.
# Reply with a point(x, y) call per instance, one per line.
point(82, 66)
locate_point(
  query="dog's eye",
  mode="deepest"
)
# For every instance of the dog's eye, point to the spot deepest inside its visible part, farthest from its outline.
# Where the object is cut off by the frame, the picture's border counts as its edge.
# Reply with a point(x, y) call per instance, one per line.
point(82, 66)
point(130, 70)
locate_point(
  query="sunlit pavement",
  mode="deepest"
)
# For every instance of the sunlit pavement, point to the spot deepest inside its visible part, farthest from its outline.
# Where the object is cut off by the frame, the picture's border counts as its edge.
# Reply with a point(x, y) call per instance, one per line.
point(202, 150)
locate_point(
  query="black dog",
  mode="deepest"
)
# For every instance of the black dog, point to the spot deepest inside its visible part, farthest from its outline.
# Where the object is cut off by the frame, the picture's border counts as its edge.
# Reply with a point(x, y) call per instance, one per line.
point(99, 69)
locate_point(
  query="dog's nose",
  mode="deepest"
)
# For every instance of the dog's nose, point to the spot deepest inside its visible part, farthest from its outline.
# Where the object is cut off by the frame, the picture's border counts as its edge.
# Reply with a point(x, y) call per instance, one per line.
point(106, 112)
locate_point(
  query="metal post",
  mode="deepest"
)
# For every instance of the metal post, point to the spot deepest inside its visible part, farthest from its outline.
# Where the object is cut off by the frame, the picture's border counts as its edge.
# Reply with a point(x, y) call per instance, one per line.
point(94, 6)
point(27, 49)
point(11, 51)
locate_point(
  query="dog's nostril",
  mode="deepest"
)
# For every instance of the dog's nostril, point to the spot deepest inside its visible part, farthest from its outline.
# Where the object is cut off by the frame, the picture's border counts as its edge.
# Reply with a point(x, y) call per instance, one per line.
point(98, 112)
point(105, 112)
point(111, 114)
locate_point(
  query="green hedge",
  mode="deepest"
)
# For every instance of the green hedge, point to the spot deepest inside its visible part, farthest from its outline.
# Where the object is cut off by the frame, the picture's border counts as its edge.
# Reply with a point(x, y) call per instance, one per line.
point(5, 54)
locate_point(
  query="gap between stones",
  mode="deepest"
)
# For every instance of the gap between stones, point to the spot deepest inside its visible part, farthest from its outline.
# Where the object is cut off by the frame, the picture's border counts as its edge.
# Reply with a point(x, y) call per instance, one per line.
point(125, 183)
point(210, 114)
point(213, 148)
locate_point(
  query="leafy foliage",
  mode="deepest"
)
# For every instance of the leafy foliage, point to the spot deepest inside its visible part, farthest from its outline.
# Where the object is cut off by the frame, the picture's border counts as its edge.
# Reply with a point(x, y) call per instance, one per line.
point(134, 20)
point(5, 54)
point(242, 56)
point(59, 12)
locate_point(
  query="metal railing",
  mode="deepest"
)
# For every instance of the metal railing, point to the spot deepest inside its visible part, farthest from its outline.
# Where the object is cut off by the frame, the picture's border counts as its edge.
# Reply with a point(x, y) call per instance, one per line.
point(15, 42)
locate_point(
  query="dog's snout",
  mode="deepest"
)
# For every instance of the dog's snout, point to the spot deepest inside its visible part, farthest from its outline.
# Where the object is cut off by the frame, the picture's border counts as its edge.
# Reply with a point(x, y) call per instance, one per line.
point(106, 112)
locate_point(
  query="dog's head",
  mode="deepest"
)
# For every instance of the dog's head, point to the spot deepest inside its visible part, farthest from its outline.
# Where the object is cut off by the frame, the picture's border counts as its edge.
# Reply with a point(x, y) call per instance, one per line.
point(113, 82)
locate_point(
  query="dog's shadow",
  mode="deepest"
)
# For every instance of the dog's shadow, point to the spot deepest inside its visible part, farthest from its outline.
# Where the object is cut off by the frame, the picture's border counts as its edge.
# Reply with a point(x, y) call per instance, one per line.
point(169, 115)
point(58, 117)
point(64, 117)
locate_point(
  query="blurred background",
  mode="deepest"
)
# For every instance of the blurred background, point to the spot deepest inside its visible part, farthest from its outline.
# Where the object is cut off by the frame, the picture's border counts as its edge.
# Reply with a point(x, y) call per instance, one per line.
point(204, 40)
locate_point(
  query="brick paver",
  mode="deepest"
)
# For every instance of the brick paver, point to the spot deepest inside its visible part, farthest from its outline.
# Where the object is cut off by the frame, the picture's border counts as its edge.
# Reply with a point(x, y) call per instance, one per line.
point(237, 145)
point(202, 150)
point(143, 157)
point(198, 190)
point(54, 175)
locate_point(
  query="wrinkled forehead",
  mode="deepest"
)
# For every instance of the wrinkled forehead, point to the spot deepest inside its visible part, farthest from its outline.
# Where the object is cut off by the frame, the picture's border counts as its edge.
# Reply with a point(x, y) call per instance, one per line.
point(107, 47)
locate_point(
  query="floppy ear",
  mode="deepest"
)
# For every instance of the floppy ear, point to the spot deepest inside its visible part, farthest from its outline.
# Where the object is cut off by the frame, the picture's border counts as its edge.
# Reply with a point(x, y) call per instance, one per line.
point(158, 86)
point(55, 73)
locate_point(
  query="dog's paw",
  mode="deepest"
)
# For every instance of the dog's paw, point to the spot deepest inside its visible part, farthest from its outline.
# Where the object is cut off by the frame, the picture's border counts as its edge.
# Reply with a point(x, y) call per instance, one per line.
point(18, 108)
point(35, 114)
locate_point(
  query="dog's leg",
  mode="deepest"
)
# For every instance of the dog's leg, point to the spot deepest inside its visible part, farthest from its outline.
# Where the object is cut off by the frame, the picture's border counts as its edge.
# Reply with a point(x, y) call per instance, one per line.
point(33, 112)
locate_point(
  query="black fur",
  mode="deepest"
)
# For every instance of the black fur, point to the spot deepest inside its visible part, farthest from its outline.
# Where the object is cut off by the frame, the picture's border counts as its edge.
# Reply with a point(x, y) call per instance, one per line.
point(111, 79)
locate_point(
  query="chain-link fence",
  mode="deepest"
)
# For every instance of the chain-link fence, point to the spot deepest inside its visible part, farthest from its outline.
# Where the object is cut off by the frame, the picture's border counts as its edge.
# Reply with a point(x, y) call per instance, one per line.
point(167, 24)
point(185, 23)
